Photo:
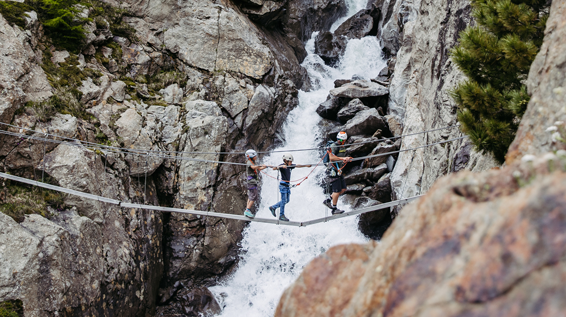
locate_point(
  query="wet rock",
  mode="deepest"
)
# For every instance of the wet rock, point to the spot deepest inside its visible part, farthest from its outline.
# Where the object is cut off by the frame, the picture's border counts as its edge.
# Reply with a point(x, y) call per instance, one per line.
point(361, 146)
point(304, 17)
point(329, 109)
point(365, 122)
point(172, 94)
point(372, 224)
point(349, 111)
point(482, 250)
point(267, 14)
point(341, 82)
point(355, 189)
point(326, 130)
point(359, 89)
point(359, 25)
point(330, 47)
point(366, 173)
point(381, 191)
point(382, 148)
point(191, 301)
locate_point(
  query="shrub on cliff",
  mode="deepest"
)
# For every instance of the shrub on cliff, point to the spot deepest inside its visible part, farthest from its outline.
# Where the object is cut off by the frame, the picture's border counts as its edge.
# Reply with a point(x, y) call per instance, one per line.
point(496, 56)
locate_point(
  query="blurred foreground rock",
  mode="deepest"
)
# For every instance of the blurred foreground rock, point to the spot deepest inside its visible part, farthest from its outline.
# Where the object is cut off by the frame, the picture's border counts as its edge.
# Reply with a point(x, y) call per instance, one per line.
point(489, 244)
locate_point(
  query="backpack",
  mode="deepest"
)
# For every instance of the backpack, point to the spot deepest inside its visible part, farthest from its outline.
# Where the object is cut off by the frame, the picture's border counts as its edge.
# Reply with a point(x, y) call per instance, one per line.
point(326, 159)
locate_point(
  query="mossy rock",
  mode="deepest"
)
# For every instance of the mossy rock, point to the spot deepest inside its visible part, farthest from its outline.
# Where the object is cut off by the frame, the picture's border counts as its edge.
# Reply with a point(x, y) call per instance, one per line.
point(14, 12)
point(23, 200)
point(11, 308)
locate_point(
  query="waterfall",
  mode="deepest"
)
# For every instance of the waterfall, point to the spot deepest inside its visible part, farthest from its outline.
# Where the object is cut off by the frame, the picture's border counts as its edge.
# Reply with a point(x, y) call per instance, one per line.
point(273, 256)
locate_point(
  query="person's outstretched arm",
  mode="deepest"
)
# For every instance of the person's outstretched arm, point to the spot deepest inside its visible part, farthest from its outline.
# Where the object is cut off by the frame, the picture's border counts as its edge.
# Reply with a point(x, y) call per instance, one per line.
point(334, 158)
point(258, 167)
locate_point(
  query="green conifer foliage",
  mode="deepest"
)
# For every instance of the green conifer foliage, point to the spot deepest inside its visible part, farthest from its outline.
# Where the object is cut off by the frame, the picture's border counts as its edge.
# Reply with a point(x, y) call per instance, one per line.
point(496, 56)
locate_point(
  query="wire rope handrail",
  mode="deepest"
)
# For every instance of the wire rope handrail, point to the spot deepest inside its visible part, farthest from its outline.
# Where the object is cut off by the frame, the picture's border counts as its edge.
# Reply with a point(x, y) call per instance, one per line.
point(219, 152)
point(79, 144)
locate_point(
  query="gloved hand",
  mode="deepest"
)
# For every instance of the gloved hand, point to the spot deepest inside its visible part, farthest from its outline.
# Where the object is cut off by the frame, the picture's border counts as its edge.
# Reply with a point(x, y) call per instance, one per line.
point(293, 185)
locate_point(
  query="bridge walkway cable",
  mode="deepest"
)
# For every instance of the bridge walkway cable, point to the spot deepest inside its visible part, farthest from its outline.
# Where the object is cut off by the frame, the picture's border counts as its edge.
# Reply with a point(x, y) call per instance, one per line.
point(206, 213)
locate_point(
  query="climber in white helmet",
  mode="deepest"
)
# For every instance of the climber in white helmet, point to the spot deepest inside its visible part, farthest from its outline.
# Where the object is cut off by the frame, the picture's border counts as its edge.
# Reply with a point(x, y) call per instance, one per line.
point(284, 185)
point(252, 181)
point(337, 185)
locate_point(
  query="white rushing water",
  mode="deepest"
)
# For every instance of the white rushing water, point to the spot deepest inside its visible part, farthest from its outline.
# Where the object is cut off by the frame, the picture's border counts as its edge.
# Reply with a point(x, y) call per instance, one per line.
point(273, 256)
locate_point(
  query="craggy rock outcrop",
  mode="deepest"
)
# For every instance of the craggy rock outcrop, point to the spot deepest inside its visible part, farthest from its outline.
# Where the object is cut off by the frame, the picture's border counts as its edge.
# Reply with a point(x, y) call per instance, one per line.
point(482, 244)
point(331, 45)
point(201, 75)
point(359, 89)
point(297, 19)
point(547, 86)
point(419, 93)
point(21, 78)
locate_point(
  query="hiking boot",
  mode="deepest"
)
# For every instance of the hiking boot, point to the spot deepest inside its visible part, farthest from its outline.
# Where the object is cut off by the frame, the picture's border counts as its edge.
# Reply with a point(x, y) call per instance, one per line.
point(272, 211)
point(248, 213)
point(336, 211)
point(283, 218)
point(327, 203)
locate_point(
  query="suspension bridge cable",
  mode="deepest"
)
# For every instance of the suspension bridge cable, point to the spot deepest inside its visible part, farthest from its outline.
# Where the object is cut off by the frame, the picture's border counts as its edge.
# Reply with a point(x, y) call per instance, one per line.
point(206, 213)
point(211, 161)
point(220, 152)
point(405, 150)
point(214, 161)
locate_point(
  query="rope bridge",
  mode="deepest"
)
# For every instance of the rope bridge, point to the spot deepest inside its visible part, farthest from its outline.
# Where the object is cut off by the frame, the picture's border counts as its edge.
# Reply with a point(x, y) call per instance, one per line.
point(177, 155)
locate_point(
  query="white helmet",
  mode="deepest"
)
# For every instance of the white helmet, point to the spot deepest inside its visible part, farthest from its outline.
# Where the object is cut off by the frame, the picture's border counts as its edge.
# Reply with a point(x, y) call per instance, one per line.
point(287, 157)
point(251, 153)
point(342, 136)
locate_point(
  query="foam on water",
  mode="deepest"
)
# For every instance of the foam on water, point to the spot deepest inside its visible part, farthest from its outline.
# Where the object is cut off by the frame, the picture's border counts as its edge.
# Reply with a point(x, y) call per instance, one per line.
point(273, 256)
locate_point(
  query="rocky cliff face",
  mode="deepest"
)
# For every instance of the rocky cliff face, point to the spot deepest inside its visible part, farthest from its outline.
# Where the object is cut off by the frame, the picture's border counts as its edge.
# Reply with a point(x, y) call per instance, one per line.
point(194, 76)
point(416, 38)
point(542, 128)
point(477, 244)
point(418, 35)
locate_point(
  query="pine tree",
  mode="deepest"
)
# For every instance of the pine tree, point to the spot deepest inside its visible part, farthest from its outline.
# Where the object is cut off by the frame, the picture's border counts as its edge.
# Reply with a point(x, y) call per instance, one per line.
point(496, 55)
